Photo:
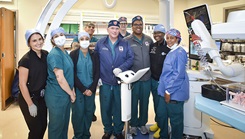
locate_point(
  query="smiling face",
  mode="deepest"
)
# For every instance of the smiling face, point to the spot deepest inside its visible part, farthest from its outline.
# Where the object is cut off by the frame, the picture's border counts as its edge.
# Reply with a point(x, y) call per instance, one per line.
point(171, 40)
point(158, 36)
point(137, 27)
point(36, 42)
point(113, 32)
point(90, 29)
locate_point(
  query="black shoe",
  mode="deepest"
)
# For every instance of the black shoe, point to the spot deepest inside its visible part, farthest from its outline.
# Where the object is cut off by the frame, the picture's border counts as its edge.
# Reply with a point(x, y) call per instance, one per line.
point(119, 136)
point(106, 136)
point(94, 118)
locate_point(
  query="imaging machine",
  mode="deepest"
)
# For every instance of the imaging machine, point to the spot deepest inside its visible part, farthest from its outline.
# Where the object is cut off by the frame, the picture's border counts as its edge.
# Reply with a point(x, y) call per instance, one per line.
point(196, 123)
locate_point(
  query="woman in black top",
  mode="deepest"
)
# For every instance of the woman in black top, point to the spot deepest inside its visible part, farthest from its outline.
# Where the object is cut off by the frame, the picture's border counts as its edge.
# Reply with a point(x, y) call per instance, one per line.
point(32, 80)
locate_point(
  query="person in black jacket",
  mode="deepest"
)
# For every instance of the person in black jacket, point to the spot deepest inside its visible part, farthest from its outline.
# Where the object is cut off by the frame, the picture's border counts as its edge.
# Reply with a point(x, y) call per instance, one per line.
point(158, 52)
point(86, 75)
point(32, 80)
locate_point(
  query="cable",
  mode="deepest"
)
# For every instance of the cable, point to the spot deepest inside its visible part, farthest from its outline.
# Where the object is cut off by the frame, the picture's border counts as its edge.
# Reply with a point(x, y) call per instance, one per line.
point(221, 124)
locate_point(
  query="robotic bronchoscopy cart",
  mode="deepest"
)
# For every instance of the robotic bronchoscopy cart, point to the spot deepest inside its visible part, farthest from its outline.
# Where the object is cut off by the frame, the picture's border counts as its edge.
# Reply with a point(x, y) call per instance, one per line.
point(127, 78)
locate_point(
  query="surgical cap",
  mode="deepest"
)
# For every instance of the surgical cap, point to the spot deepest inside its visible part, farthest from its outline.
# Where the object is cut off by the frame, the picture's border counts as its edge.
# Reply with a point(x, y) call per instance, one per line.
point(137, 18)
point(57, 30)
point(29, 33)
point(113, 23)
point(159, 28)
point(174, 32)
point(122, 20)
point(81, 34)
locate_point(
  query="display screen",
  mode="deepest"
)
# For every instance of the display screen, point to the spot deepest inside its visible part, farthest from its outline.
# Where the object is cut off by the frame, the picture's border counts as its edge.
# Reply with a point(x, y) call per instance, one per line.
point(193, 52)
point(199, 12)
point(218, 44)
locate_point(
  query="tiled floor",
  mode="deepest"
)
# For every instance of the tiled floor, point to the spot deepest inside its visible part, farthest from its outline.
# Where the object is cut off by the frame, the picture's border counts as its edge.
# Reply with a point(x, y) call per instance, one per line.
point(12, 125)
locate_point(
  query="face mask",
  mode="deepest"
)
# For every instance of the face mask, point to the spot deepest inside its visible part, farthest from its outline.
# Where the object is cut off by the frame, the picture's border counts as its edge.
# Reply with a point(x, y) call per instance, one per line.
point(174, 46)
point(84, 44)
point(60, 41)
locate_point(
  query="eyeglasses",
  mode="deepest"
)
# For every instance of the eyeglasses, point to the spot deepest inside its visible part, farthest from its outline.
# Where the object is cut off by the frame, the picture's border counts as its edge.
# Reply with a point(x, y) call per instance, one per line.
point(138, 25)
point(123, 24)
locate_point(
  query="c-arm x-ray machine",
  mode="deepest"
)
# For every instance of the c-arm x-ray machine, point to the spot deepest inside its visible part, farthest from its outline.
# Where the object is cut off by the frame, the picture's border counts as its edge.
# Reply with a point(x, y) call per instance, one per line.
point(197, 123)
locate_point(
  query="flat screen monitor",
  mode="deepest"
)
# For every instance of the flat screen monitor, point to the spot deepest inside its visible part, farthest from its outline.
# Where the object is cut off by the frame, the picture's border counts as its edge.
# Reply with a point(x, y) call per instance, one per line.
point(193, 52)
point(199, 12)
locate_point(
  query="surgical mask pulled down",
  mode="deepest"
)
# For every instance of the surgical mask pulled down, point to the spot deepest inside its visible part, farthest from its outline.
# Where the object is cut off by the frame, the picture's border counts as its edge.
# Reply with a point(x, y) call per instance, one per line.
point(173, 46)
point(84, 44)
point(60, 41)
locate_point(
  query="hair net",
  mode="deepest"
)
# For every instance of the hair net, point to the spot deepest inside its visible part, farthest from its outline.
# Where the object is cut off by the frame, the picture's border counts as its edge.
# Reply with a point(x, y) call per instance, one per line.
point(57, 30)
point(81, 34)
point(29, 34)
point(113, 23)
point(174, 32)
point(159, 28)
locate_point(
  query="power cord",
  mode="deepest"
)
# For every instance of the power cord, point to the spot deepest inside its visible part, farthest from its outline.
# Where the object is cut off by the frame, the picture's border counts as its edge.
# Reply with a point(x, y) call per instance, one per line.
point(221, 124)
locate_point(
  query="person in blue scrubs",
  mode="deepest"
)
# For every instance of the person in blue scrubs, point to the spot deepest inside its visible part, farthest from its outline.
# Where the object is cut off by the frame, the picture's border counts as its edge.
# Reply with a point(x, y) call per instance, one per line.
point(115, 56)
point(173, 88)
point(86, 74)
point(59, 92)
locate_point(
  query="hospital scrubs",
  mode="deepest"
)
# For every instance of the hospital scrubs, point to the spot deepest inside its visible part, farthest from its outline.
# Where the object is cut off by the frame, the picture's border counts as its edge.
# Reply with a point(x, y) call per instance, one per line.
point(175, 81)
point(141, 88)
point(57, 100)
point(83, 108)
point(158, 52)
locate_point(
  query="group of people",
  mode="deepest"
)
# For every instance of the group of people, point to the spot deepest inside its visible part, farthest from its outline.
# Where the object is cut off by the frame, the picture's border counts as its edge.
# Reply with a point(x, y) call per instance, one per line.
point(57, 82)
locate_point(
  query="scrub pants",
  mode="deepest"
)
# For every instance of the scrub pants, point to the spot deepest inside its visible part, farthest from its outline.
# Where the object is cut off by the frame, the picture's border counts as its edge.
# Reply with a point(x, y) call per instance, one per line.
point(110, 106)
point(154, 86)
point(82, 114)
point(59, 115)
point(37, 125)
point(173, 111)
point(140, 94)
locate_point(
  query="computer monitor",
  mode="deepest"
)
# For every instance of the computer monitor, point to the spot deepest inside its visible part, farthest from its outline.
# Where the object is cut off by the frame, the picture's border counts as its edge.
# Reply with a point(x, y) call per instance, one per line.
point(199, 12)
point(218, 44)
point(193, 52)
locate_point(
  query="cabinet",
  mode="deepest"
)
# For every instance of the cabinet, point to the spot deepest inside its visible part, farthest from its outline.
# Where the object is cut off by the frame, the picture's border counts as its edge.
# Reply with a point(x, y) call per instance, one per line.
point(233, 50)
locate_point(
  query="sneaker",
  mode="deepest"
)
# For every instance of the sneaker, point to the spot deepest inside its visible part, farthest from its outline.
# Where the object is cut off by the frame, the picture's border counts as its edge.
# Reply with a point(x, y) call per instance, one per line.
point(106, 136)
point(133, 131)
point(154, 127)
point(156, 135)
point(143, 130)
point(94, 118)
point(119, 136)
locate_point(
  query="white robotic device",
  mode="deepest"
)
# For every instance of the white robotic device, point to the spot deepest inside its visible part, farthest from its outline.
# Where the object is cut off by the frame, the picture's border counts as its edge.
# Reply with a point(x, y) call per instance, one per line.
point(197, 123)
point(128, 77)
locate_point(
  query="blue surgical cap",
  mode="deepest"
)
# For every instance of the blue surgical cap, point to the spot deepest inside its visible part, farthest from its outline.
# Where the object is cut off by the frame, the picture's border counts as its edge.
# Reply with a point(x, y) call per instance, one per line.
point(57, 30)
point(137, 18)
point(81, 34)
point(29, 34)
point(114, 23)
point(122, 20)
point(159, 28)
